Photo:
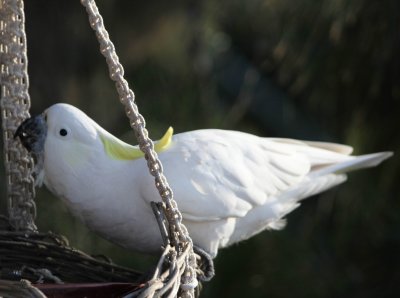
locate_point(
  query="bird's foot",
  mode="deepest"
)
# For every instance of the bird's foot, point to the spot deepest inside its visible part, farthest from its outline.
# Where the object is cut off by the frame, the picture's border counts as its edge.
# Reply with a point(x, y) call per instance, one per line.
point(205, 269)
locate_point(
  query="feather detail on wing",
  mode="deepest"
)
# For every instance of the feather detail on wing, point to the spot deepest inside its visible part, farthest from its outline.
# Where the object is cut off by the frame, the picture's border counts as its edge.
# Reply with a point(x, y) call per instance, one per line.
point(217, 174)
point(334, 147)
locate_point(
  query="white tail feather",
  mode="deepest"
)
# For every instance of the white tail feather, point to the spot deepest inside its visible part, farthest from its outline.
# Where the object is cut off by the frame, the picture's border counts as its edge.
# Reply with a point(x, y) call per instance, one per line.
point(356, 163)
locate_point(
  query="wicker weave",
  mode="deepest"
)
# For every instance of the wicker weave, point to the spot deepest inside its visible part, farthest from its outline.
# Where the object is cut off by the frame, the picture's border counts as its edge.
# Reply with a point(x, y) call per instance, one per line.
point(48, 258)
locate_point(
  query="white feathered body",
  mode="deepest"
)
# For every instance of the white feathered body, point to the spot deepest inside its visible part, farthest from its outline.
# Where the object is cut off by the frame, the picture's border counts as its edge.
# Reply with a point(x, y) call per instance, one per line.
point(228, 185)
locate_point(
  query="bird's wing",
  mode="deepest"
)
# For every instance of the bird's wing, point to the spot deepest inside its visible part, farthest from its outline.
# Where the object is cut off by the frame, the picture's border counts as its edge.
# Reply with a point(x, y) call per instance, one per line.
point(217, 174)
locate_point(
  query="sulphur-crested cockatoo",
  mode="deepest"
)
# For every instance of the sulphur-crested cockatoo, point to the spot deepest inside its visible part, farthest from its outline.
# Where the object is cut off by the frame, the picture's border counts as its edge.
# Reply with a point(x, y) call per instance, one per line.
point(229, 185)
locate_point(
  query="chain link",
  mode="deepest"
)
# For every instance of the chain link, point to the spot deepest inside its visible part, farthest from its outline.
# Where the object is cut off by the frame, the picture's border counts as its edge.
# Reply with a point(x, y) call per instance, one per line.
point(178, 233)
point(15, 104)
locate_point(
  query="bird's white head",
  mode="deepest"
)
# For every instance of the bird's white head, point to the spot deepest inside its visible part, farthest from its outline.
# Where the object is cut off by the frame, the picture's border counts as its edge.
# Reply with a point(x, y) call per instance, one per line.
point(72, 144)
point(72, 137)
point(66, 144)
point(72, 150)
point(65, 122)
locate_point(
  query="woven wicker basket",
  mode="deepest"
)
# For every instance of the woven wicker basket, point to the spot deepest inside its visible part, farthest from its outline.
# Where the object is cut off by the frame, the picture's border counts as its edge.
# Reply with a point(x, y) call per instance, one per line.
point(54, 267)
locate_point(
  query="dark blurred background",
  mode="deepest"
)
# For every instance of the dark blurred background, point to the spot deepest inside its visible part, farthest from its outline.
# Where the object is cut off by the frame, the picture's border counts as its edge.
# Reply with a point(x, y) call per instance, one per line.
point(320, 70)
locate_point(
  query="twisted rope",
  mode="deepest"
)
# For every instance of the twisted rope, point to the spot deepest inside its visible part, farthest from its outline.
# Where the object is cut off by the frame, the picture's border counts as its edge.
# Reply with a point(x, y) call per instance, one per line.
point(15, 104)
point(178, 234)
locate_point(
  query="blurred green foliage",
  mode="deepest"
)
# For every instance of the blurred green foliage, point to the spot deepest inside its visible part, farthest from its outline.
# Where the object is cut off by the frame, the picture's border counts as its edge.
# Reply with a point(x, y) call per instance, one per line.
point(326, 70)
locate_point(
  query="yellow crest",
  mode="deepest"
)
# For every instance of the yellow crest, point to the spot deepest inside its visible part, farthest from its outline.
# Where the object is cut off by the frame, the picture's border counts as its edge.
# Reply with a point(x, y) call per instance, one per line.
point(117, 149)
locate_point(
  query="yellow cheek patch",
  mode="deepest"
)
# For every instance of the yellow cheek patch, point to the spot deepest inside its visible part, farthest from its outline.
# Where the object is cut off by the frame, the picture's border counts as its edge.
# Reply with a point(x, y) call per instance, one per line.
point(117, 149)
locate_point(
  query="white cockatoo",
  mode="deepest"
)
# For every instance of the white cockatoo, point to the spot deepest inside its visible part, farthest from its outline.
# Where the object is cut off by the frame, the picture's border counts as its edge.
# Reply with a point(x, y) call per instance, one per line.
point(228, 185)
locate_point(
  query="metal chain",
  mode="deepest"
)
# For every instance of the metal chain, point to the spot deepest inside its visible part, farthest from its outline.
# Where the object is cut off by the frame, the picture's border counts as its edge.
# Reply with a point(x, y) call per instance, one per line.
point(15, 104)
point(178, 233)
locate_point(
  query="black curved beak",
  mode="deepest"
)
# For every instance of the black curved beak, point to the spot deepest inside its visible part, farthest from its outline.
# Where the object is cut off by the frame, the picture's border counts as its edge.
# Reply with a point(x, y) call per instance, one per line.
point(32, 133)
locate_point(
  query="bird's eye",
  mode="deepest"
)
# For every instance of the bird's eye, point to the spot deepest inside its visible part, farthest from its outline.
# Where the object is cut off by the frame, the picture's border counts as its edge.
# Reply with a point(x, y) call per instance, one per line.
point(63, 132)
